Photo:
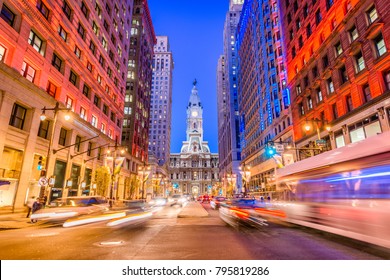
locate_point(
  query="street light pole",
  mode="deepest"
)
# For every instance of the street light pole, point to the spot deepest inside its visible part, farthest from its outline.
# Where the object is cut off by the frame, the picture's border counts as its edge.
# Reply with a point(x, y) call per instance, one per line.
point(120, 161)
point(145, 175)
point(113, 173)
point(56, 109)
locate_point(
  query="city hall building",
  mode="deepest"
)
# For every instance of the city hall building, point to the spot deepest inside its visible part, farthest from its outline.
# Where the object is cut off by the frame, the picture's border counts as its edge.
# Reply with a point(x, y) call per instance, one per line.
point(195, 169)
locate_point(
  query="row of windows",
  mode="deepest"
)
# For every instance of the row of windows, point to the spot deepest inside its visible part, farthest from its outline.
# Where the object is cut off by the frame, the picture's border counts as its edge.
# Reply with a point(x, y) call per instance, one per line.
point(357, 59)
point(19, 115)
point(371, 16)
point(366, 96)
point(39, 45)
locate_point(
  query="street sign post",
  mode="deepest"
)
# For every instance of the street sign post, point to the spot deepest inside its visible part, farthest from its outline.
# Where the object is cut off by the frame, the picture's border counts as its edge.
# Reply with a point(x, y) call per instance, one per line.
point(43, 182)
point(279, 148)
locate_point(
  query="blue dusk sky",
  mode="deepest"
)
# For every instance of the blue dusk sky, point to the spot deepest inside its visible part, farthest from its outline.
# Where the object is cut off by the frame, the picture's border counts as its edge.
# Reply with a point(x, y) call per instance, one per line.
point(195, 32)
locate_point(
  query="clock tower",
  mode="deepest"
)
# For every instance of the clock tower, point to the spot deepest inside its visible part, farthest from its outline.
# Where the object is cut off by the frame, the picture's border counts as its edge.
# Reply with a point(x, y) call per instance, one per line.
point(194, 170)
point(194, 117)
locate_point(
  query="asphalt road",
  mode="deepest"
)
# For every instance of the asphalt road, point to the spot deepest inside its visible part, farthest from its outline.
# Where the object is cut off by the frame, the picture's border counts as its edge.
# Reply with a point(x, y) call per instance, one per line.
point(166, 237)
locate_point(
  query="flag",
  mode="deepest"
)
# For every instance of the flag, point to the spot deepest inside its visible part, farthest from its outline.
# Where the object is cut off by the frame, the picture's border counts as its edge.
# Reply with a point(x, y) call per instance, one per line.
point(118, 164)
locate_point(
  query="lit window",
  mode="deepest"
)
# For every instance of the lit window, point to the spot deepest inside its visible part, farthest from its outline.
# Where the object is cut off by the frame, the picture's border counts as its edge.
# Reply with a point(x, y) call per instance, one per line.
point(372, 15)
point(330, 86)
point(36, 42)
point(359, 62)
point(319, 95)
point(2, 53)
point(94, 121)
point(380, 46)
point(28, 72)
point(95, 28)
point(83, 113)
point(338, 48)
point(353, 33)
point(77, 51)
point(104, 43)
point(69, 103)
point(309, 103)
point(301, 109)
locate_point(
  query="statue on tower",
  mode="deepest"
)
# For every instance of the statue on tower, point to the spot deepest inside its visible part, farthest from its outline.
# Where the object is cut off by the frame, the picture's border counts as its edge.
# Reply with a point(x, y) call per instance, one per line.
point(194, 82)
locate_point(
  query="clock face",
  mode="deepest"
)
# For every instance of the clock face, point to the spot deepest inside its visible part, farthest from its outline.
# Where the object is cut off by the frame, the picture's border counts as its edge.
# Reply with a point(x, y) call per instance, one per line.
point(194, 113)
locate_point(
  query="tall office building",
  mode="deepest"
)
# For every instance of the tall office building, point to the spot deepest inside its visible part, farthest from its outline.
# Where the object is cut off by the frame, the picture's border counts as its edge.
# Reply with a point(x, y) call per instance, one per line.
point(195, 169)
point(135, 133)
point(338, 70)
point(227, 102)
point(263, 95)
point(57, 55)
point(161, 103)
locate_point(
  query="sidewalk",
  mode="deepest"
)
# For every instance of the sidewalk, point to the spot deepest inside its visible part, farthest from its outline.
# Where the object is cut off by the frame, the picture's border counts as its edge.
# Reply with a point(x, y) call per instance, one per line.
point(14, 221)
point(18, 220)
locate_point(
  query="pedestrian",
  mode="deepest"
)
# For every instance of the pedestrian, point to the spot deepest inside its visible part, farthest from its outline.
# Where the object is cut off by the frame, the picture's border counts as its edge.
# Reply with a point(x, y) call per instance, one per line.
point(29, 204)
point(44, 201)
point(36, 206)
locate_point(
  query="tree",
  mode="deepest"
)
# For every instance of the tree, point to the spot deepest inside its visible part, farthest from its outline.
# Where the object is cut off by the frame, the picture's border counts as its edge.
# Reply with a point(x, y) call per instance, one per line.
point(131, 184)
point(102, 180)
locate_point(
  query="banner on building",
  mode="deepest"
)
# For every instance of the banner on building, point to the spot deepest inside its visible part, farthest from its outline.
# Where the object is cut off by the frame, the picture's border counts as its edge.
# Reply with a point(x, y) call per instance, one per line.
point(117, 166)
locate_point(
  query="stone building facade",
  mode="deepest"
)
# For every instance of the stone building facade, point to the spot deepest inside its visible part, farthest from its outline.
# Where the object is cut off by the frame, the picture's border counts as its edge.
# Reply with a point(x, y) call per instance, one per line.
point(194, 170)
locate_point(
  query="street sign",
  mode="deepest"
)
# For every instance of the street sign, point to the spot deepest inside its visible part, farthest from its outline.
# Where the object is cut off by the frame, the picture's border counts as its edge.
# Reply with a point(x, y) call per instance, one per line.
point(321, 142)
point(279, 148)
point(42, 181)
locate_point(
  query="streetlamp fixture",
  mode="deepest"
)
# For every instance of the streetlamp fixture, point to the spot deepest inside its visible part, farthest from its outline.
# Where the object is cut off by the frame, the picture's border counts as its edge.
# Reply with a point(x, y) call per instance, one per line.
point(308, 126)
point(144, 172)
point(246, 175)
point(43, 117)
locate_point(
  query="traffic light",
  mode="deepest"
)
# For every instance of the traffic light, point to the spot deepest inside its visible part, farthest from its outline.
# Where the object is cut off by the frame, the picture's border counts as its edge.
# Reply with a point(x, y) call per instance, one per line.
point(40, 163)
point(270, 150)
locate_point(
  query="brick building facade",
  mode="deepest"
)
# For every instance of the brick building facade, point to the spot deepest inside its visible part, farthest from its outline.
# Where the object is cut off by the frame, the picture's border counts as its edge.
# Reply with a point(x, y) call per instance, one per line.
point(338, 70)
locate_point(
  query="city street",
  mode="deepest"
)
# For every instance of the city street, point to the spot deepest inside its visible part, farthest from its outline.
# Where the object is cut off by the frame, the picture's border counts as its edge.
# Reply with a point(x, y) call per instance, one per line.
point(169, 235)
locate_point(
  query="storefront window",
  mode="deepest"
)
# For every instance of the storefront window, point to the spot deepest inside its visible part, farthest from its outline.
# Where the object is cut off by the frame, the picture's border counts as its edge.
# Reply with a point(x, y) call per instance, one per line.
point(10, 168)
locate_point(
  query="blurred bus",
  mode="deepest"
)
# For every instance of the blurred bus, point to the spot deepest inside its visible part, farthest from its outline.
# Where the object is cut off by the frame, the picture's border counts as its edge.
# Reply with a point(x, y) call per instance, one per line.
point(345, 191)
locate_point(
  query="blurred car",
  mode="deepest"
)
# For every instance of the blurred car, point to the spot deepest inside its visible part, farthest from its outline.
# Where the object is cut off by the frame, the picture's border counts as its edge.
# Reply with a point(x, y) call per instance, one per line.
point(216, 201)
point(242, 212)
point(205, 199)
point(177, 199)
point(200, 198)
point(158, 201)
point(62, 209)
